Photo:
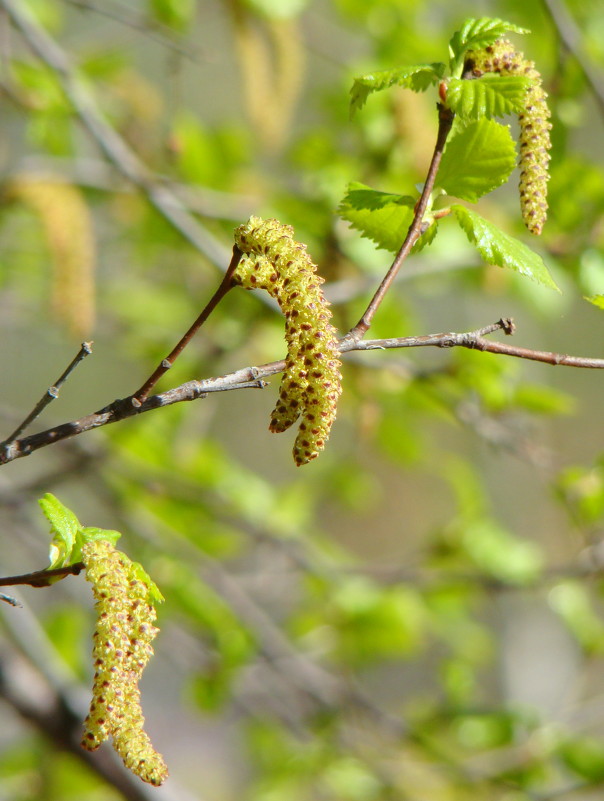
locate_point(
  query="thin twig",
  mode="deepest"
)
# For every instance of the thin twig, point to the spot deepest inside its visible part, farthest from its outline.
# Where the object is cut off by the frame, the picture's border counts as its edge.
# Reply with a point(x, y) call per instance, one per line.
point(165, 40)
point(52, 393)
point(253, 378)
point(140, 396)
point(445, 121)
point(110, 142)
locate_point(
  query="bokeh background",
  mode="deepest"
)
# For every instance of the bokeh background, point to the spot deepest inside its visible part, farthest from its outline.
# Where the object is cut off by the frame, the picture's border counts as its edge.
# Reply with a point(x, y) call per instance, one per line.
point(418, 613)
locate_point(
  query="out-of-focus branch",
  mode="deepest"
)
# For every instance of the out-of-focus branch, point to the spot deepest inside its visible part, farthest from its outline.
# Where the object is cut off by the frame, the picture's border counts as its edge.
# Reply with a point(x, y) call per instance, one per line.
point(40, 687)
point(95, 173)
point(572, 39)
point(253, 377)
point(110, 142)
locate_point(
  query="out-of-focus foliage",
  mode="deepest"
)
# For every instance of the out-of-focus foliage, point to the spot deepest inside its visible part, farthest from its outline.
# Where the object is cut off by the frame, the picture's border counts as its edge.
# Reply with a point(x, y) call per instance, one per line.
point(417, 614)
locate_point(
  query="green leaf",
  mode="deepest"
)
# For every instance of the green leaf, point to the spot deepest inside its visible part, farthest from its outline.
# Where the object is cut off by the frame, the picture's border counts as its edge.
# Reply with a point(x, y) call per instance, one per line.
point(138, 572)
point(495, 247)
point(417, 77)
point(382, 217)
point(479, 158)
point(572, 602)
point(597, 300)
point(88, 534)
point(475, 34)
point(489, 96)
point(177, 14)
point(496, 552)
point(64, 526)
point(585, 757)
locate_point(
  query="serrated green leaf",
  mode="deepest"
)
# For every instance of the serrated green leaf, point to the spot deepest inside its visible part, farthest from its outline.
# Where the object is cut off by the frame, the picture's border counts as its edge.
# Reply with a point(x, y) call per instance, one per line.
point(491, 95)
point(478, 159)
point(382, 217)
point(64, 526)
point(597, 300)
point(495, 247)
point(417, 77)
point(475, 34)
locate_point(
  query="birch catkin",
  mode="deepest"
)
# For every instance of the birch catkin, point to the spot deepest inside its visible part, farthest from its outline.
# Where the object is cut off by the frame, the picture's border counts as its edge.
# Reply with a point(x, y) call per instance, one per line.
point(501, 57)
point(122, 647)
point(312, 383)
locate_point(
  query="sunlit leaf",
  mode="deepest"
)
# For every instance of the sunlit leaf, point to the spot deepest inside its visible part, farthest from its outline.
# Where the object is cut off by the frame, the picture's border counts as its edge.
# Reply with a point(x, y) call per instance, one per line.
point(491, 95)
point(498, 248)
point(64, 526)
point(382, 217)
point(597, 300)
point(479, 158)
point(475, 34)
point(417, 77)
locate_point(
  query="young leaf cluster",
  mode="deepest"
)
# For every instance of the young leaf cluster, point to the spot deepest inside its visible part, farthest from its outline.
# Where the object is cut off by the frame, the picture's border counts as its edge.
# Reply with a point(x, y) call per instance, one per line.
point(480, 154)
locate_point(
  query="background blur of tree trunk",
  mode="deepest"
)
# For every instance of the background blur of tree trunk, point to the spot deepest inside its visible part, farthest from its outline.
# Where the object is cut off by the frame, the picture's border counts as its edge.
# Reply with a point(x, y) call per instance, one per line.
point(416, 615)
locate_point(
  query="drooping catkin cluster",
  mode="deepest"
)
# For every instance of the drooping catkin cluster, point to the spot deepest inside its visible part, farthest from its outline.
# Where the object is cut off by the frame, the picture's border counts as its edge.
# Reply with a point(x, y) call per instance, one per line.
point(312, 383)
point(67, 224)
point(122, 647)
point(501, 57)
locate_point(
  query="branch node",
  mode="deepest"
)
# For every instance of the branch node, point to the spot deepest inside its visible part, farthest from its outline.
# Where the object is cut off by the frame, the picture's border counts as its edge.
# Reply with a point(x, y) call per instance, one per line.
point(508, 326)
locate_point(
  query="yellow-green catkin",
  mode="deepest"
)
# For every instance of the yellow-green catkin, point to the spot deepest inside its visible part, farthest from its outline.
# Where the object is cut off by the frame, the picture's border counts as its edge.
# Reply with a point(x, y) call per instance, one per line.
point(122, 647)
point(503, 58)
point(67, 224)
point(311, 383)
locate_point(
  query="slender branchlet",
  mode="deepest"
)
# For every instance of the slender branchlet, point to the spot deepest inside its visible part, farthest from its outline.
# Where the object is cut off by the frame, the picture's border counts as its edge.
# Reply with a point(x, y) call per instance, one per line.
point(503, 58)
point(122, 647)
point(312, 383)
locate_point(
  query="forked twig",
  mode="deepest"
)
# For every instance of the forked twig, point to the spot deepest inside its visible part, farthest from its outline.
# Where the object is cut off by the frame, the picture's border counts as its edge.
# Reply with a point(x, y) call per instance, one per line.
point(52, 393)
point(253, 377)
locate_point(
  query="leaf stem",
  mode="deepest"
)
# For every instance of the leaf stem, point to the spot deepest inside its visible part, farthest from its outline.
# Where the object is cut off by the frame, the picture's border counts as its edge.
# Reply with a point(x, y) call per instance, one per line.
point(445, 121)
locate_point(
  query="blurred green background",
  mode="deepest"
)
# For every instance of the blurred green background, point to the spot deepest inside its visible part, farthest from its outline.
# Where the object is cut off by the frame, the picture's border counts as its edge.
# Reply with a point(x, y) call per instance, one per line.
point(418, 613)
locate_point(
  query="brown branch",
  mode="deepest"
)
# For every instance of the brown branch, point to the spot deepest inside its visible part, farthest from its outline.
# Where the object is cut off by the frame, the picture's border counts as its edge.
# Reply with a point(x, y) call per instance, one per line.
point(572, 38)
point(140, 396)
point(51, 394)
point(253, 378)
point(445, 121)
point(42, 578)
